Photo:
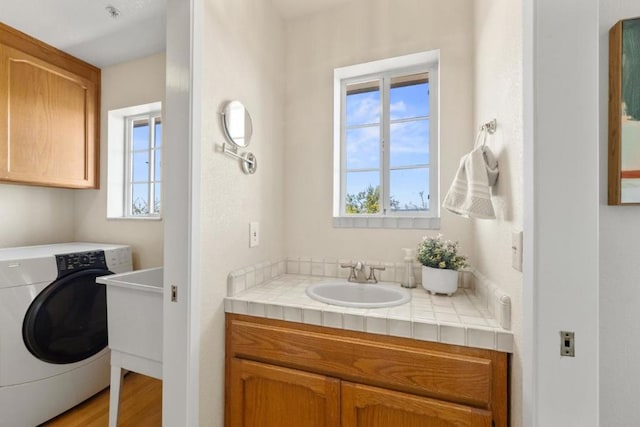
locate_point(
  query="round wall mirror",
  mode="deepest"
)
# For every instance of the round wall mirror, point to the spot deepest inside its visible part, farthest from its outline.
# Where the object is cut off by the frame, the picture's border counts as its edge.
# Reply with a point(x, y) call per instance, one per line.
point(236, 123)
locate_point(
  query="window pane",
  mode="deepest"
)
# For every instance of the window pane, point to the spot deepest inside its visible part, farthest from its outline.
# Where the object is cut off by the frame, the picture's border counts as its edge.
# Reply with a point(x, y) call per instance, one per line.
point(410, 143)
point(363, 148)
point(158, 165)
point(363, 103)
point(363, 193)
point(140, 135)
point(409, 190)
point(409, 96)
point(140, 166)
point(158, 133)
point(140, 199)
point(157, 196)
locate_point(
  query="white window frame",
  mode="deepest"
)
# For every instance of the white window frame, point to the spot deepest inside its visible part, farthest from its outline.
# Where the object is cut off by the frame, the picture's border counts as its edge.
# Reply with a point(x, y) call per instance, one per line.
point(119, 162)
point(424, 62)
point(151, 118)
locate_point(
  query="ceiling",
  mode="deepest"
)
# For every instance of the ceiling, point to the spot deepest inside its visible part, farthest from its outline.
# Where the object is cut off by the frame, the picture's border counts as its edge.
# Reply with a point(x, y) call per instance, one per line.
point(84, 28)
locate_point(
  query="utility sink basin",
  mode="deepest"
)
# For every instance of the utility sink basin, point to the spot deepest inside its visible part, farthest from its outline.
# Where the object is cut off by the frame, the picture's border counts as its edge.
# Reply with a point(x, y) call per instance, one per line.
point(361, 295)
point(134, 321)
point(134, 312)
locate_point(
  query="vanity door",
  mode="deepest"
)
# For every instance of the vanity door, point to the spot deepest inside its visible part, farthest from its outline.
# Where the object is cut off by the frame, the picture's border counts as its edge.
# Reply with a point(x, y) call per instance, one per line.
point(262, 395)
point(365, 406)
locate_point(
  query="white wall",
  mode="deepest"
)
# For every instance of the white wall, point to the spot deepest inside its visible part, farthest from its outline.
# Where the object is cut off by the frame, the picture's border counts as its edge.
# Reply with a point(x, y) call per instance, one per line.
point(498, 94)
point(560, 165)
point(619, 266)
point(35, 215)
point(357, 32)
point(132, 83)
point(243, 59)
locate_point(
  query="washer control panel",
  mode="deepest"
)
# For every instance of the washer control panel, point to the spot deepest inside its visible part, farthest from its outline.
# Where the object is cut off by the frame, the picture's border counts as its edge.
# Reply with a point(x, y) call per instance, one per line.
point(119, 259)
point(68, 263)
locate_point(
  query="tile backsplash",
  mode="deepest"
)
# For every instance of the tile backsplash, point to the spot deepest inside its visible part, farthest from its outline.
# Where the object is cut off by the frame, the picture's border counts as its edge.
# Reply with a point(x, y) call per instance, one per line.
point(248, 277)
point(330, 267)
point(495, 300)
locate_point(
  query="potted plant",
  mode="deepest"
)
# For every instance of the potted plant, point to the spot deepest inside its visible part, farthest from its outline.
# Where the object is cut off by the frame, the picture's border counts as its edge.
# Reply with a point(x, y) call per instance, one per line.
point(440, 264)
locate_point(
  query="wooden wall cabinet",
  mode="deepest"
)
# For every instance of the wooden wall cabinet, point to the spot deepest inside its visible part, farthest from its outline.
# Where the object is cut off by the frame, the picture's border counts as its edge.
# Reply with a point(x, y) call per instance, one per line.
point(281, 374)
point(49, 115)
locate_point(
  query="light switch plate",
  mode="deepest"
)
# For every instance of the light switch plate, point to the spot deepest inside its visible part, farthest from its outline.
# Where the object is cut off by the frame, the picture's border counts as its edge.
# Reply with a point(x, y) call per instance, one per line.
point(516, 250)
point(254, 234)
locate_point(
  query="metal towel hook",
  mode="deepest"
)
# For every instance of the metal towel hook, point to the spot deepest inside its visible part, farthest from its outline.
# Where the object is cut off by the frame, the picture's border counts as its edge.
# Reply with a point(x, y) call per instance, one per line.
point(490, 127)
point(487, 128)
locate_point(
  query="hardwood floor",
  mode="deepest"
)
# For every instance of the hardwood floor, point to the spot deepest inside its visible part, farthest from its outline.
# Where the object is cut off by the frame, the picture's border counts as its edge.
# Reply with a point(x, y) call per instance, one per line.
point(140, 406)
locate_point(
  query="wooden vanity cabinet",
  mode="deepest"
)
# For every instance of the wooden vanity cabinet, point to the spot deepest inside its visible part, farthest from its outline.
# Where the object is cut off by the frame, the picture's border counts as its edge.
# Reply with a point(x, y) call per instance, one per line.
point(49, 114)
point(281, 374)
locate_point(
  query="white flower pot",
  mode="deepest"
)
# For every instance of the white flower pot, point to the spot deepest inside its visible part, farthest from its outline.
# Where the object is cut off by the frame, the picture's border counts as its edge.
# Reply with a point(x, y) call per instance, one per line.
point(439, 280)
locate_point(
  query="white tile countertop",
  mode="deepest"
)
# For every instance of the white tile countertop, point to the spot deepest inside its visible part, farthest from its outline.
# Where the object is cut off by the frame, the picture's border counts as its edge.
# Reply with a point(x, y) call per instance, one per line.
point(462, 319)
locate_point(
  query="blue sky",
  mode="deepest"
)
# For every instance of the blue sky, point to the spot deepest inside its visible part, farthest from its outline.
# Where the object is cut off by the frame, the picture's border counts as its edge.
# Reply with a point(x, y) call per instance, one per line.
point(140, 163)
point(409, 142)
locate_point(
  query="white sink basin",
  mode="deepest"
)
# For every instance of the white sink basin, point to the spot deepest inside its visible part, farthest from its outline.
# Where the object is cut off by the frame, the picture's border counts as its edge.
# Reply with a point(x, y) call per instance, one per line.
point(362, 295)
point(134, 312)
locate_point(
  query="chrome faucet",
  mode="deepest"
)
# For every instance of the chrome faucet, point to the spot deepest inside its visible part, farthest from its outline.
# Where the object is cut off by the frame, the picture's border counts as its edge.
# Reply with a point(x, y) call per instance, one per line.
point(358, 275)
point(358, 270)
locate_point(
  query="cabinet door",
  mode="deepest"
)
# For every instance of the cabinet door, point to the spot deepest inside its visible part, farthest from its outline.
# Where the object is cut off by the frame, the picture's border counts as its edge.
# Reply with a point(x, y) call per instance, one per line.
point(365, 406)
point(263, 395)
point(48, 123)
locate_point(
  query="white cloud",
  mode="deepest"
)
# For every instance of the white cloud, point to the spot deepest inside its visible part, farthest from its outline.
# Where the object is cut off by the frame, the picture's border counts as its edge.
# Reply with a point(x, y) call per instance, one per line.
point(363, 147)
point(409, 137)
point(363, 108)
point(398, 107)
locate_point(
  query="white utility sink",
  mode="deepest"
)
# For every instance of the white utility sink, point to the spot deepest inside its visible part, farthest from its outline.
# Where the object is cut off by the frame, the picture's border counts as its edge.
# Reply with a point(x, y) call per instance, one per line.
point(134, 312)
point(134, 320)
point(362, 295)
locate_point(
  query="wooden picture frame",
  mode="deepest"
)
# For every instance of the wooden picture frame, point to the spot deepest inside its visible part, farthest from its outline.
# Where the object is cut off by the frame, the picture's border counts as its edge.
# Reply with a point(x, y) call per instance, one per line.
point(624, 113)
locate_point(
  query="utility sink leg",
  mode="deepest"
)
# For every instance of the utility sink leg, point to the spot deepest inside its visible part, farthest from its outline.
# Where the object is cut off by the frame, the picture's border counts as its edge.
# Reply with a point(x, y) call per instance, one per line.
point(117, 376)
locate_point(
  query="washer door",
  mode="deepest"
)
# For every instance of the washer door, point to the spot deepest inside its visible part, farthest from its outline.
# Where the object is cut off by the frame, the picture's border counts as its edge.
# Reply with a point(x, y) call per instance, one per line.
point(67, 321)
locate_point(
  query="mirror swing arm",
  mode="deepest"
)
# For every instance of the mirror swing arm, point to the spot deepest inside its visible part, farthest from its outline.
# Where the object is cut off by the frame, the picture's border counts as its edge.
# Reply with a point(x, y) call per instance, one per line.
point(237, 128)
point(248, 159)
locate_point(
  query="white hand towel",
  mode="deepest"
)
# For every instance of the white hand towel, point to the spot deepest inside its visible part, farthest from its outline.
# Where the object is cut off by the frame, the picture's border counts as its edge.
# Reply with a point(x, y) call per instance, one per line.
point(469, 194)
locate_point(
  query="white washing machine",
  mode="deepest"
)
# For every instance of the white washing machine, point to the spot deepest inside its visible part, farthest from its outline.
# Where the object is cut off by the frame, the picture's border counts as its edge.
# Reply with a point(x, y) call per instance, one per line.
point(53, 327)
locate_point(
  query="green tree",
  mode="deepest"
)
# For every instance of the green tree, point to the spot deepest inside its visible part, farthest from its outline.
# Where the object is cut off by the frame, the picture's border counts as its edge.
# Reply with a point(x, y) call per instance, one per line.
point(364, 202)
point(413, 206)
point(141, 207)
point(367, 201)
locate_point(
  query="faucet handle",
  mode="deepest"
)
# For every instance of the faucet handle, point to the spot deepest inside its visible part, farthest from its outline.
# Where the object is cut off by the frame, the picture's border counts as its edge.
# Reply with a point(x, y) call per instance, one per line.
point(372, 273)
point(352, 272)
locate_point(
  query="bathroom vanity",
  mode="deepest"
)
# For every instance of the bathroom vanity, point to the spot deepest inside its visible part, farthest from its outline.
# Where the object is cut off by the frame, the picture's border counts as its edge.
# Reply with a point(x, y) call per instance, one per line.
point(281, 373)
point(294, 361)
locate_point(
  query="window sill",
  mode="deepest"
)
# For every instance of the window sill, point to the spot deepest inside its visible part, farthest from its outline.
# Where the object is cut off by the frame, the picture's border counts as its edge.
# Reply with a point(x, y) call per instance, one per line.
point(134, 218)
point(403, 223)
